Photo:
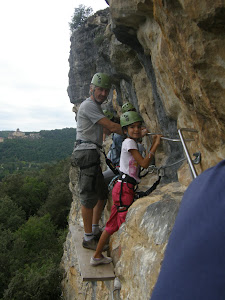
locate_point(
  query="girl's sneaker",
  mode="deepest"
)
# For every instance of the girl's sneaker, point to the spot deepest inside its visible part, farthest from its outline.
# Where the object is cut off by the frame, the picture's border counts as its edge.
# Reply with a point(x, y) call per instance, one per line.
point(100, 261)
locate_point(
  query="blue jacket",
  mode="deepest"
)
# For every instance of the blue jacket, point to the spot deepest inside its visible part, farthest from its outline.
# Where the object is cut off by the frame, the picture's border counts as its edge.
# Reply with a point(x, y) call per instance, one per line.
point(115, 149)
point(194, 262)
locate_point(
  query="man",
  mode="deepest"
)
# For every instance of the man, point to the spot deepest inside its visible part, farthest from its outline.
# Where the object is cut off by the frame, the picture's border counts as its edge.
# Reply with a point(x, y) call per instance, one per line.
point(194, 262)
point(91, 123)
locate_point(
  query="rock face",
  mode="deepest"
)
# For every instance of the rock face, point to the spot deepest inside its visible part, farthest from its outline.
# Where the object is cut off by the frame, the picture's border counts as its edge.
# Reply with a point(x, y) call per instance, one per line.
point(168, 59)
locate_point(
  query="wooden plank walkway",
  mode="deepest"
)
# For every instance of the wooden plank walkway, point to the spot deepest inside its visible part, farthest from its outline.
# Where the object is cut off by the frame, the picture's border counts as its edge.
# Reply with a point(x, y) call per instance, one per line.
point(88, 272)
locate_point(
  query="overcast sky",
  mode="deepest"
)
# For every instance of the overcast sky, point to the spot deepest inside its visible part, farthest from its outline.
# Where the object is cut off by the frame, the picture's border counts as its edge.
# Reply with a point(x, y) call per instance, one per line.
point(34, 52)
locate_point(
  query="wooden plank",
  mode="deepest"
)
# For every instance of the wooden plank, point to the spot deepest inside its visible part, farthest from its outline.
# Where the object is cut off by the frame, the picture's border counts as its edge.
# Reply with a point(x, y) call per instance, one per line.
point(88, 272)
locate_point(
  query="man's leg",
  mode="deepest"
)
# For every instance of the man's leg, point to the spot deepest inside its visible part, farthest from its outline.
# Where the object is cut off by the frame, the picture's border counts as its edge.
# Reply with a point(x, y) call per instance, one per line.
point(87, 215)
point(89, 241)
point(102, 192)
point(97, 213)
point(87, 190)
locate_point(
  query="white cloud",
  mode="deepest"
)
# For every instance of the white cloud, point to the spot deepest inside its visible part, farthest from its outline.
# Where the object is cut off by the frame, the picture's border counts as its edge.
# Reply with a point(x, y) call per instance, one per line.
point(35, 46)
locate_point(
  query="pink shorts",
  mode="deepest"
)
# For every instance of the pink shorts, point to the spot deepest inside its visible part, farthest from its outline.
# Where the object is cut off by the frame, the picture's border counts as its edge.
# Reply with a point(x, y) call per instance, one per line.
point(117, 218)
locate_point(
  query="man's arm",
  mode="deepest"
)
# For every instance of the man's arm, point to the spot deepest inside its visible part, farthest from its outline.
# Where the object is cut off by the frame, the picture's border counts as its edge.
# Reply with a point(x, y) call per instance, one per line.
point(111, 126)
point(106, 131)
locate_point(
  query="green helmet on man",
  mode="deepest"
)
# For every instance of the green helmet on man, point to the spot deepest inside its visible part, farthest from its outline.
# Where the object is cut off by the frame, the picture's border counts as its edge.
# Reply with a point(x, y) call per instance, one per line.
point(129, 118)
point(102, 80)
point(127, 107)
point(108, 114)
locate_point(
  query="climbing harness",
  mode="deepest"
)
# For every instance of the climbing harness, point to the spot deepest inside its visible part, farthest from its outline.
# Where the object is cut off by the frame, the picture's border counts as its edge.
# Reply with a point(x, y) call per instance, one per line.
point(113, 182)
point(159, 170)
point(141, 194)
point(107, 160)
point(110, 164)
point(78, 142)
point(124, 178)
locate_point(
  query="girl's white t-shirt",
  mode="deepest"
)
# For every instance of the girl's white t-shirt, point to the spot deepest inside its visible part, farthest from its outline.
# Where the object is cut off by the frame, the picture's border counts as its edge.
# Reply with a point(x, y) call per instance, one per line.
point(128, 165)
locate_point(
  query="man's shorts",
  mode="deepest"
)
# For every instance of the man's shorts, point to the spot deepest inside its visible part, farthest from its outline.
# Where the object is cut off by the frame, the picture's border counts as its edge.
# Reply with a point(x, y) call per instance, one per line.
point(91, 181)
point(116, 218)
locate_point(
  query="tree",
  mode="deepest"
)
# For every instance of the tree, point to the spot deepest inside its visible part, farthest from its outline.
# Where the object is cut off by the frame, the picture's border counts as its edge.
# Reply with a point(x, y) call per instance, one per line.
point(34, 193)
point(36, 281)
point(59, 197)
point(6, 245)
point(11, 216)
point(28, 192)
point(31, 251)
point(34, 261)
point(38, 235)
point(58, 204)
point(81, 13)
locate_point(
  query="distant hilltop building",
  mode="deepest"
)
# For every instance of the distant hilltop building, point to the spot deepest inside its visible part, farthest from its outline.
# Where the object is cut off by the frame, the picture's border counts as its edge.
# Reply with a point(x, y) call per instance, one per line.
point(20, 134)
point(1, 139)
point(16, 134)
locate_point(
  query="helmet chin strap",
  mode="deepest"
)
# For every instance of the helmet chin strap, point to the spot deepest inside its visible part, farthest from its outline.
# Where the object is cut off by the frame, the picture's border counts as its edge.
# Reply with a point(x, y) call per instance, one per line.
point(127, 134)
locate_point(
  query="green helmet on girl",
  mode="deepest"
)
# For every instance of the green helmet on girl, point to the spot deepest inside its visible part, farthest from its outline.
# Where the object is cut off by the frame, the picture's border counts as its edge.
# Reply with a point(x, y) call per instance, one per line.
point(129, 118)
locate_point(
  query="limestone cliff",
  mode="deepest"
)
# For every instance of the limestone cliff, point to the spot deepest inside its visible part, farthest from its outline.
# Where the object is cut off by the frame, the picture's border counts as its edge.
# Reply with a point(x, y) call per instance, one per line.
point(167, 57)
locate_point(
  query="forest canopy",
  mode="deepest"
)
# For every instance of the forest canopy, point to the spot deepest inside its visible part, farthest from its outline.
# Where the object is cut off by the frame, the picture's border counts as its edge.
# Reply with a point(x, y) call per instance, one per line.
point(35, 202)
point(34, 207)
point(20, 154)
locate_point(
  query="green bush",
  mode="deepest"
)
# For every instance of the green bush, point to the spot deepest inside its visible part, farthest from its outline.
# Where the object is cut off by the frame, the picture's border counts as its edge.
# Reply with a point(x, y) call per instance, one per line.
point(35, 282)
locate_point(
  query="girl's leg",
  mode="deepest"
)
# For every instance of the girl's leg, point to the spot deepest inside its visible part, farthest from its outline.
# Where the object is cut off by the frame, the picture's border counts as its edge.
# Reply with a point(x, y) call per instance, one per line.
point(101, 243)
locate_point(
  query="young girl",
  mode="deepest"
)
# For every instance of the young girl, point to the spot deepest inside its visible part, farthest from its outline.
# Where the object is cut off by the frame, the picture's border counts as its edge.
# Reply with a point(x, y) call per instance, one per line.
point(123, 191)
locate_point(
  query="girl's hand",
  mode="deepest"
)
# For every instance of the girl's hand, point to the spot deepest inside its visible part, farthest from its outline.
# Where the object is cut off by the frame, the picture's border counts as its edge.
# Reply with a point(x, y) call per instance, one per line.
point(156, 139)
